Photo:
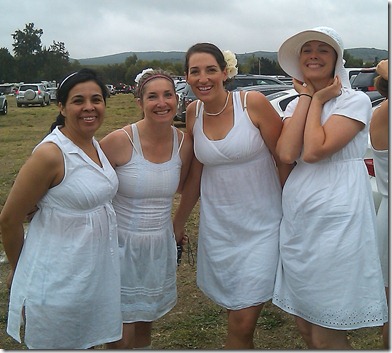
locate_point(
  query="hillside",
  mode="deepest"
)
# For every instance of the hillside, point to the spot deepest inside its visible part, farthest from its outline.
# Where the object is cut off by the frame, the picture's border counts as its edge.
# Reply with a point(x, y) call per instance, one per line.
point(366, 54)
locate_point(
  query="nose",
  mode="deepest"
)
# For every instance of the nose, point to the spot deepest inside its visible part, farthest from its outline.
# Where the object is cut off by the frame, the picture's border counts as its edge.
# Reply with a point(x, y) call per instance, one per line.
point(203, 77)
point(89, 105)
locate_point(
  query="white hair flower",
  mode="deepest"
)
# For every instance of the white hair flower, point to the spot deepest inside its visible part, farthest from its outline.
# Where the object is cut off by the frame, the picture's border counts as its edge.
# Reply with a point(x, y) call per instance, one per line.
point(231, 63)
point(139, 76)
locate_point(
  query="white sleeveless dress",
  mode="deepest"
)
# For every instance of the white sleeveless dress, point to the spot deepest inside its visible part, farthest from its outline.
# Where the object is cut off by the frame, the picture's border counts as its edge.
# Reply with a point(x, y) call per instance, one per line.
point(329, 272)
point(381, 170)
point(240, 213)
point(147, 243)
point(68, 274)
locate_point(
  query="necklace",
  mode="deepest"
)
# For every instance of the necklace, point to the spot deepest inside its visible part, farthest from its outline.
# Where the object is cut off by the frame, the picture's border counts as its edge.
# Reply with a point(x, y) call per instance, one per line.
point(224, 107)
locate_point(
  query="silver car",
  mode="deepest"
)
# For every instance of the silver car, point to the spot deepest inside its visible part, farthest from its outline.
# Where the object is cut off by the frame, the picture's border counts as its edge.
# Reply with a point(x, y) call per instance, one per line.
point(32, 94)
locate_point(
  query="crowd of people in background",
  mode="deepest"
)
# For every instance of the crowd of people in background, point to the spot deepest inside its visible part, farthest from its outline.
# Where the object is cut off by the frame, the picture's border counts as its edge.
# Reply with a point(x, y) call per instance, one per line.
point(286, 208)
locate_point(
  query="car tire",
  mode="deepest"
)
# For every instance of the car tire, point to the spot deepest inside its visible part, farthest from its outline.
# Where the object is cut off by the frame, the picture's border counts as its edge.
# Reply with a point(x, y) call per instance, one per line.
point(5, 109)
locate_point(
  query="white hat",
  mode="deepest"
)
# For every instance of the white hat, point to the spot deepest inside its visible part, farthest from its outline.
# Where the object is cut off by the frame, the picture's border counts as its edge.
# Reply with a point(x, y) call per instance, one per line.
point(289, 51)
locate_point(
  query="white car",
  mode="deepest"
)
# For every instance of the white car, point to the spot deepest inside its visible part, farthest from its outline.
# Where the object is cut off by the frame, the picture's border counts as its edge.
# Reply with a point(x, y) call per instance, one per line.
point(280, 100)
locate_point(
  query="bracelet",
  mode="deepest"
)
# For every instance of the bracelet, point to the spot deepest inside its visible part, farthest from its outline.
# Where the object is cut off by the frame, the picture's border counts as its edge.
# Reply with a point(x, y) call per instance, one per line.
point(304, 94)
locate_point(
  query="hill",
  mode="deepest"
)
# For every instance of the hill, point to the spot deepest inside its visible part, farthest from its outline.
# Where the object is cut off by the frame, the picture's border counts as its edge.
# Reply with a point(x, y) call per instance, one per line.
point(366, 54)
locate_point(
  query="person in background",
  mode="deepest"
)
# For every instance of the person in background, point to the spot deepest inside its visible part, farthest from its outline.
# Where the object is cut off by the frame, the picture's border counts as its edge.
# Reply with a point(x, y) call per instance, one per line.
point(151, 159)
point(66, 280)
point(236, 176)
point(329, 275)
point(379, 136)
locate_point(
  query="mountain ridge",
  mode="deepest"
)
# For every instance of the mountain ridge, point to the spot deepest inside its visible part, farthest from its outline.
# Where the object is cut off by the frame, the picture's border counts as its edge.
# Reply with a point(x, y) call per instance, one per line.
point(366, 54)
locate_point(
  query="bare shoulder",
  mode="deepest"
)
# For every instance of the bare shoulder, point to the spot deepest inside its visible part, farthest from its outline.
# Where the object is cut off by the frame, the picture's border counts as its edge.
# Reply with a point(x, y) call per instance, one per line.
point(256, 99)
point(117, 147)
point(48, 154)
point(191, 116)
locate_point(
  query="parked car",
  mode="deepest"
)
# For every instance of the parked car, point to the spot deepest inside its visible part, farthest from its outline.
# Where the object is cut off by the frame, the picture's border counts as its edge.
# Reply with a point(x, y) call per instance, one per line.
point(111, 89)
point(252, 80)
point(32, 94)
point(186, 96)
point(364, 80)
point(265, 89)
point(3, 103)
point(52, 93)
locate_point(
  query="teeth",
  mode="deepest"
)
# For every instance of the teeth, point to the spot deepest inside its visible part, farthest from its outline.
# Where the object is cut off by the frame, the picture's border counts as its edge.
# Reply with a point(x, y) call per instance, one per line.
point(204, 88)
point(89, 118)
point(162, 112)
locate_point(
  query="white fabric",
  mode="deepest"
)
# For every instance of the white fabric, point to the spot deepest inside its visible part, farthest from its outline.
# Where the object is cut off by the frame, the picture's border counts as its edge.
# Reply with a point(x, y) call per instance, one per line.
point(148, 251)
point(68, 274)
point(381, 169)
point(329, 272)
point(240, 212)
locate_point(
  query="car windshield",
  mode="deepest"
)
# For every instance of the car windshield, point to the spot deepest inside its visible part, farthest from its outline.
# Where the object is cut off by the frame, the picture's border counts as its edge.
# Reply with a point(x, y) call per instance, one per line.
point(26, 87)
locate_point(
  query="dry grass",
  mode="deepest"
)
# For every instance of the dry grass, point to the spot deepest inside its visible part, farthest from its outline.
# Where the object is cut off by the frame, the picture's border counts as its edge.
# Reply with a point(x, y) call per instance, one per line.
point(195, 322)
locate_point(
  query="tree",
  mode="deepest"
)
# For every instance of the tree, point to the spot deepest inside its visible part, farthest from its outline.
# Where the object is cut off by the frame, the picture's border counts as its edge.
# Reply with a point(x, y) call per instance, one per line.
point(27, 42)
point(7, 66)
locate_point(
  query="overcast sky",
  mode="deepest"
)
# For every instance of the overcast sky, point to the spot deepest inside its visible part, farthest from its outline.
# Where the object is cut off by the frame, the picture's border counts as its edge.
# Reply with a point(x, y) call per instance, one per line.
point(92, 28)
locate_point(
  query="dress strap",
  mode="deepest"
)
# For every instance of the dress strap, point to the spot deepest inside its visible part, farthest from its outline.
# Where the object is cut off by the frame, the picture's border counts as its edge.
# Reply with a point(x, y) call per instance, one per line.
point(182, 140)
point(130, 138)
point(246, 93)
point(197, 108)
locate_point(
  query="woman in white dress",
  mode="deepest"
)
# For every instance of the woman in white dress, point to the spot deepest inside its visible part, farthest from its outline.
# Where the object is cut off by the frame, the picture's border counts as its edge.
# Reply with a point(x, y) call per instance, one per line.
point(379, 136)
point(151, 159)
point(235, 174)
point(66, 284)
point(329, 274)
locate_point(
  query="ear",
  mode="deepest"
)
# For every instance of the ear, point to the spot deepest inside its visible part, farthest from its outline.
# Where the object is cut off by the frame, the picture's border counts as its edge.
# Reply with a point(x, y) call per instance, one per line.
point(225, 75)
point(61, 109)
point(139, 103)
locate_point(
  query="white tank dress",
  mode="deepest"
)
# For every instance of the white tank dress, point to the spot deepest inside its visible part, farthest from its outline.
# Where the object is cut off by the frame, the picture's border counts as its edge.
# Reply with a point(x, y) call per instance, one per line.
point(68, 273)
point(148, 252)
point(240, 213)
point(381, 170)
point(329, 273)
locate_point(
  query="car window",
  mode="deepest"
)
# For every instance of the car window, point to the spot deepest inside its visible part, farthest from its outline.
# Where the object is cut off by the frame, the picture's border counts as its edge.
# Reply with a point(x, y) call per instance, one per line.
point(364, 79)
point(26, 87)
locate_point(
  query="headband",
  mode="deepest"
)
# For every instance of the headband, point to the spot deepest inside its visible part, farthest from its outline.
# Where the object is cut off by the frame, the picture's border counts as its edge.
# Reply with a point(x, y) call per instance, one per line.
point(74, 73)
point(153, 77)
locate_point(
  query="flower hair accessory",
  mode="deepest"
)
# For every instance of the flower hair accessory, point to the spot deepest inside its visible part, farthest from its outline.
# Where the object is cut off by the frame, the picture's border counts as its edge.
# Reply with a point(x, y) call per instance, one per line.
point(139, 76)
point(231, 63)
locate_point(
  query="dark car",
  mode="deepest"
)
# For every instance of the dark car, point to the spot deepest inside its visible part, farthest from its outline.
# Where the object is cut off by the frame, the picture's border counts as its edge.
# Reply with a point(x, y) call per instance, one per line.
point(3, 103)
point(251, 80)
point(364, 81)
point(265, 89)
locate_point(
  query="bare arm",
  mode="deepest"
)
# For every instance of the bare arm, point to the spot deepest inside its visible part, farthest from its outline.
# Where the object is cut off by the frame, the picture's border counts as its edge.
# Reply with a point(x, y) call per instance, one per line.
point(379, 127)
point(270, 125)
point(191, 188)
point(117, 148)
point(43, 170)
point(321, 141)
point(290, 143)
point(186, 154)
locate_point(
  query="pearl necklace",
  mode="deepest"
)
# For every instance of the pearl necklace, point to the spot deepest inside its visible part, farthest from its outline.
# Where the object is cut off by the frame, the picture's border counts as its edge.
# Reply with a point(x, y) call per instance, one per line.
point(224, 107)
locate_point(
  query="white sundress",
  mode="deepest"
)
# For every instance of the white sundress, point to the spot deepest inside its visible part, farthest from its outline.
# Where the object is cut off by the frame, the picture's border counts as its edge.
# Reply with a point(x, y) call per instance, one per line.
point(148, 252)
point(68, 273)
point(329, 273)
point(240, 213)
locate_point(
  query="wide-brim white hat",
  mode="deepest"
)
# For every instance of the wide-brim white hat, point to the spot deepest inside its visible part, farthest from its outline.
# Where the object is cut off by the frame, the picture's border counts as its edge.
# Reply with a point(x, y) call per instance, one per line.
point(289, 51)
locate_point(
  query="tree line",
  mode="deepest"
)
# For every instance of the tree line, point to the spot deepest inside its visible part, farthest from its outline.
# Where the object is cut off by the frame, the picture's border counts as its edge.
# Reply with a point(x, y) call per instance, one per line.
point(33, 62)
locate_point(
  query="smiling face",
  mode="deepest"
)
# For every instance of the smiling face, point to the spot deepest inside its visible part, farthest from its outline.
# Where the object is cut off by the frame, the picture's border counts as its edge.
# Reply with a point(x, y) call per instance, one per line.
point(84, 109)
point(317, 60)
point(159, 100)
point(205, 76)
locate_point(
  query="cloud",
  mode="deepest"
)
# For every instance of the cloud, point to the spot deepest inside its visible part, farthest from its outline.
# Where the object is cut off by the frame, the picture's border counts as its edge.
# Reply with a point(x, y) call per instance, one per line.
point(91, 28)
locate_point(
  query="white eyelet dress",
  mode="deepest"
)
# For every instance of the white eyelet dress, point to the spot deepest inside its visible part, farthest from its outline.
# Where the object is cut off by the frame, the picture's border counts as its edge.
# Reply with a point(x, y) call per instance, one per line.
point(329, 272)
point(147, 243)
point(68, 273)
point(240, 213)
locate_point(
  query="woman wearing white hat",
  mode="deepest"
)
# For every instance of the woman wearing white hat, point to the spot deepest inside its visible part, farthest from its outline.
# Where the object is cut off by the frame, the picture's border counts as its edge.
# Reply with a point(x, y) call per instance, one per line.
point(329, 275)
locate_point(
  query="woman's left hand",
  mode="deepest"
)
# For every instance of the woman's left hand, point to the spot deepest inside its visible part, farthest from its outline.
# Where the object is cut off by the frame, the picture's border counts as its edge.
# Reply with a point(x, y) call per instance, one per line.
point(334, 89)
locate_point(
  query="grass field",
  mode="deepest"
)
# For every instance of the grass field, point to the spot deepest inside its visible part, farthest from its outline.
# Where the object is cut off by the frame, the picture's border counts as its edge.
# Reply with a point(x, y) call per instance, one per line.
point(195, 322)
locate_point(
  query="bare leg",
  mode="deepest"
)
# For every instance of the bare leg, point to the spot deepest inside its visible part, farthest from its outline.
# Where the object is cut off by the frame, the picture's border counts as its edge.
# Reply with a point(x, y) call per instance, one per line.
point(241, 327)
point(143, 334)
point(128, 338)
point(324, 338)
point(305, 329)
